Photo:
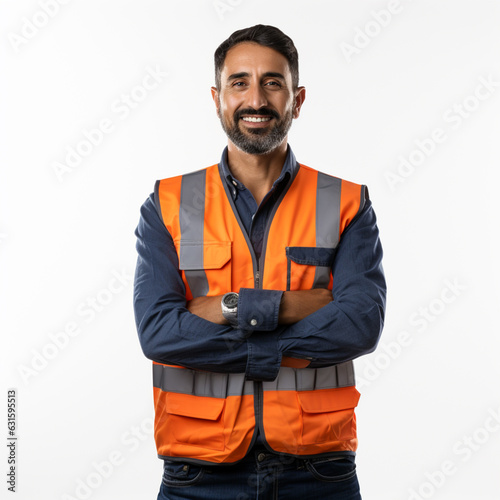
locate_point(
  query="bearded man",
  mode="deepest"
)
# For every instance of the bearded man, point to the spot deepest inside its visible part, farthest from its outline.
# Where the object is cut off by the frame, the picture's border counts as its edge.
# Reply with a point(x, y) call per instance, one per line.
point(258, 281)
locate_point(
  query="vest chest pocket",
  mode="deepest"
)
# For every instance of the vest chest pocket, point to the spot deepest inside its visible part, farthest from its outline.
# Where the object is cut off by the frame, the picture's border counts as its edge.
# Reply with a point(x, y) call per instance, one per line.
point(308, 267)
point(205, 266)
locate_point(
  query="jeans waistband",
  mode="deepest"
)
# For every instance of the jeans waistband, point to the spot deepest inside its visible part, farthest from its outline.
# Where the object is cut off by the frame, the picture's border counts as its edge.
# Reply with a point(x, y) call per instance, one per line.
point(265, 458)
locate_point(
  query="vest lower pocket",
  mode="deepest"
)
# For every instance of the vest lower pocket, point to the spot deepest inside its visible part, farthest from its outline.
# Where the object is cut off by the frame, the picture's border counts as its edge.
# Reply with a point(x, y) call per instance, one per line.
point(328, 415)
point(196, 420)
point(308, 267)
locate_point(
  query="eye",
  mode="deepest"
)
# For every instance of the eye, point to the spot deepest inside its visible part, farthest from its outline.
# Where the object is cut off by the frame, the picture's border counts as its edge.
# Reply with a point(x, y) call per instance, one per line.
point(273, 83)
point(238, 84)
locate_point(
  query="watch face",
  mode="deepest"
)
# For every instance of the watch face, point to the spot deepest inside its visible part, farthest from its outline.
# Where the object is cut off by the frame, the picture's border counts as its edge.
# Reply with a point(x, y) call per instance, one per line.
point(231, 300)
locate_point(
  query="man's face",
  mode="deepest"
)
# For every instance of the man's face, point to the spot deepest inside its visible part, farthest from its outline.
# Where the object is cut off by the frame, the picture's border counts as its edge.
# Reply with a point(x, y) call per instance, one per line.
point(256, 102)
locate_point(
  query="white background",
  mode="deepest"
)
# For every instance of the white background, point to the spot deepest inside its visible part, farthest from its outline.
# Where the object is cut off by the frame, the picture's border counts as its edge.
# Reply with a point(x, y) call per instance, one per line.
point(430, 390)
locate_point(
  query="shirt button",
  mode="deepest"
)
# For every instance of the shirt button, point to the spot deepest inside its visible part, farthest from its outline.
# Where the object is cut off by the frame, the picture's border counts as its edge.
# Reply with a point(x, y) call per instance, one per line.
point(253, 322)
point(235, 183)
point(185, 468)
point(261, 457)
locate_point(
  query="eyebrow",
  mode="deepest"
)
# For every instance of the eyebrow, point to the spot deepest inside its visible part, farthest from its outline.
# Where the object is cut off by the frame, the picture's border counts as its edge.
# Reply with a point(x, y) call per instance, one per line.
point(243, 74)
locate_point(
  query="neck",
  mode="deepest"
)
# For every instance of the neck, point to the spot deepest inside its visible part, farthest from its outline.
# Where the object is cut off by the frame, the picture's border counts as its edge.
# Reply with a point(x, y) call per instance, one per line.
point(257, 172)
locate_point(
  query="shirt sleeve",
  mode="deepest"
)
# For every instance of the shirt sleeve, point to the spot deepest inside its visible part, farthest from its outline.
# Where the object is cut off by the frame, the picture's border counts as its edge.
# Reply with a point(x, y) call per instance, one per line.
point(169, 333)
point(259, 309)
point(351, 324)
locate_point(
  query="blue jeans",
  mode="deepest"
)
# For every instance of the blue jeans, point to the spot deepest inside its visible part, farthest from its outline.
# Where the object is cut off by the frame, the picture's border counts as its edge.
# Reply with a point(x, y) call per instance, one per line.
point(262, 475)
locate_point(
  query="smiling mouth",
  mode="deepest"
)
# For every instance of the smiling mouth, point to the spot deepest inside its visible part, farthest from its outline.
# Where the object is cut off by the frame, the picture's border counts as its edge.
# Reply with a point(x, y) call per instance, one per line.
point(254, 119)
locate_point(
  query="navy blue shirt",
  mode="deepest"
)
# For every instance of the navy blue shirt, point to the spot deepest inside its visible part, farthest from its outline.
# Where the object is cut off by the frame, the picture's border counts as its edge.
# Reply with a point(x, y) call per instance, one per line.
point(254, 217)
point(346, 328)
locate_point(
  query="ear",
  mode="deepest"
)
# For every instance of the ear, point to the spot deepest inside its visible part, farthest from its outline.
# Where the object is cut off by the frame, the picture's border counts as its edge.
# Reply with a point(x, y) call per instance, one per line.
point(300, 96)
point(215, 97)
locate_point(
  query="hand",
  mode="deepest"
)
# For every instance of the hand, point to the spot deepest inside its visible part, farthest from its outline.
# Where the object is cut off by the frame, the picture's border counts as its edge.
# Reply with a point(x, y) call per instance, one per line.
point(297, 305)
point(208, 308)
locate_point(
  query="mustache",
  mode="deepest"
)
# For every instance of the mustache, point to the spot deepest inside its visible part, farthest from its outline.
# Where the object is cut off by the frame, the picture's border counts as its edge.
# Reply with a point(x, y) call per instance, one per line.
point(261, 112)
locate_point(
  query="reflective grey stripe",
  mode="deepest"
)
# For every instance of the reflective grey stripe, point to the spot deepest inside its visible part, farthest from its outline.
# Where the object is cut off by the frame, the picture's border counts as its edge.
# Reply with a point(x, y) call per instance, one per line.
point(327, 221)
point(305, 379)
point(222, 385)
point(191, 221)
point(209, 384)
point(363, 197)
point(157, 200)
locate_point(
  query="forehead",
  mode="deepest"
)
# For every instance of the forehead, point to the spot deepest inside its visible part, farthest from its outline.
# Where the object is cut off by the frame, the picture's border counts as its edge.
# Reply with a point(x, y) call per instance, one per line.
point(252, 58)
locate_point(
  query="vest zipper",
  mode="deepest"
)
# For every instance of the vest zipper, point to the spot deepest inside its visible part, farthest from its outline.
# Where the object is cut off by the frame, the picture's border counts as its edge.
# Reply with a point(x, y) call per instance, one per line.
point(258, 267)
point(258, 404)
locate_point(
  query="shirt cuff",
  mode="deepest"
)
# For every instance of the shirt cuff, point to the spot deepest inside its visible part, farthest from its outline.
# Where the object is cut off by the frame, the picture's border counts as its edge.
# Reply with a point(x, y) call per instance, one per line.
point(264, 358)
point(258, 310)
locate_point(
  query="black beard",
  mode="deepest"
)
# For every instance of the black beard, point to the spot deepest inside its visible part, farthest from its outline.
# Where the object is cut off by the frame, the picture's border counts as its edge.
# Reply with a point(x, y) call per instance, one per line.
point(258, 141)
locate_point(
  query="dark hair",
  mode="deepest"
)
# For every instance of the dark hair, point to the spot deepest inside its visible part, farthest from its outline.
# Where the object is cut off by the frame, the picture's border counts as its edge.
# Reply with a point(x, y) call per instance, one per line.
point(268, 36)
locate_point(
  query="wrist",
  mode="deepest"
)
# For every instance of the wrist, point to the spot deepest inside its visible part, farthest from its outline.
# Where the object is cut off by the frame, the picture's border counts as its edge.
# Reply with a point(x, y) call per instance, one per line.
point(229, 308)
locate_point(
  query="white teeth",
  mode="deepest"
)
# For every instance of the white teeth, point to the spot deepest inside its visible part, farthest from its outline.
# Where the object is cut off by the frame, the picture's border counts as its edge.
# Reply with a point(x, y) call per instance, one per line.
point(255, 120)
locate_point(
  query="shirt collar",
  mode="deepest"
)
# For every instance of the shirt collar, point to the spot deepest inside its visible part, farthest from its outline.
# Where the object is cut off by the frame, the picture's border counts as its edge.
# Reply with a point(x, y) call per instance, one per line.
point(289, 169)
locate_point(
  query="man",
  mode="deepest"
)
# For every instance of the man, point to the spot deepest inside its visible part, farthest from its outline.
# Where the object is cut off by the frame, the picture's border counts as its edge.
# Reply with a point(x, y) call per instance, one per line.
point(258, 281)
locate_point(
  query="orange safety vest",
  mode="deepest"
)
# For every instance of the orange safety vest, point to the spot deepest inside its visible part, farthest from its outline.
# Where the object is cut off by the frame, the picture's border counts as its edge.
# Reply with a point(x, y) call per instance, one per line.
point(211, 417)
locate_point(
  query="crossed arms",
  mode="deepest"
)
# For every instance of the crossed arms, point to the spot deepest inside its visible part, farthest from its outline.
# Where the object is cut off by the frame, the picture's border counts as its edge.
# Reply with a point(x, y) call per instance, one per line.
point(319, 326)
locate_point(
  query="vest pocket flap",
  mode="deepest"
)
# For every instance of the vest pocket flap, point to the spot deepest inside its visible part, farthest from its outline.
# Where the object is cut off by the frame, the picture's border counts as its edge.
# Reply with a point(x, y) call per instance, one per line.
point(326, 400)
point(187, 405)
point(311, 256)
point(203, 255)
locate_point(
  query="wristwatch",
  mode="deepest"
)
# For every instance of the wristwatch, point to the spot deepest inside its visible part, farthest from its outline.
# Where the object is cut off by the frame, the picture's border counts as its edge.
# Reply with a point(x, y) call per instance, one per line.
point(229, 304)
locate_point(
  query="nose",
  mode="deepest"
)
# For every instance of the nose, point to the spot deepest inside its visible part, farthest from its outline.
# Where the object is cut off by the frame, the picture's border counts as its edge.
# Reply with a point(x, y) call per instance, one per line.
point(256, 97)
